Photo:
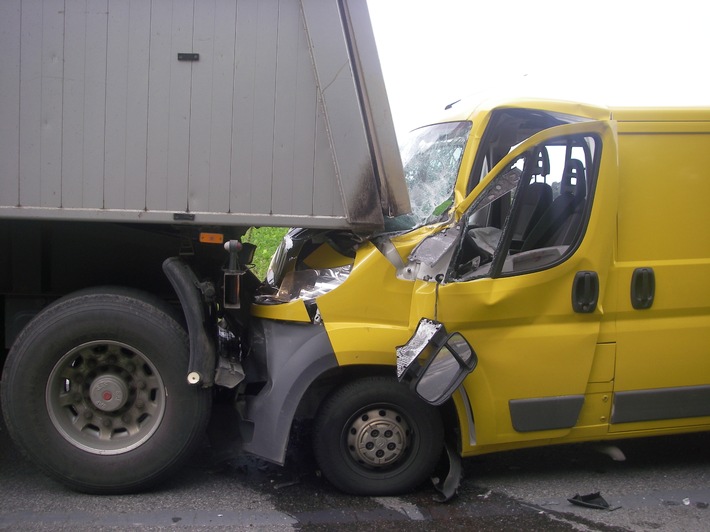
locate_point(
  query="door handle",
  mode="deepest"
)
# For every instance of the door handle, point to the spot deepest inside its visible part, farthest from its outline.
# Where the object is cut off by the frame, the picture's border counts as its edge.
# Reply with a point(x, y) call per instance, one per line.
point(585, 292)
point(643, 288)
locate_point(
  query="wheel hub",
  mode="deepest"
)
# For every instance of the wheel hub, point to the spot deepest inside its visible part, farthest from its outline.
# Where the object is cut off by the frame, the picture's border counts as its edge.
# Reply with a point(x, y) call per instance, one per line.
point(105, 397)
point(378, 437)
point(108, 393)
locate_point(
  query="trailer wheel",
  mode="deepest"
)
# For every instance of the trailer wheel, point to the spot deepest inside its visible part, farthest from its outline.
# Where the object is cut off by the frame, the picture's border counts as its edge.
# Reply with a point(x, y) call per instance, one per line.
point(374, 437)
point(95, 393)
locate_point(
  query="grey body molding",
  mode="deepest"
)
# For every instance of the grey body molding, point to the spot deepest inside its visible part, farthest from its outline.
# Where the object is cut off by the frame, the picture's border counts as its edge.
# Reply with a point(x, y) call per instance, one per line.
point(666, 403)
point(545, 413)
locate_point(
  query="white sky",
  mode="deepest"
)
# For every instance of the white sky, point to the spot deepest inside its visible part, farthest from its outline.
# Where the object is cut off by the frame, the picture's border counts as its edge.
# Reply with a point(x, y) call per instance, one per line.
point(608, 52)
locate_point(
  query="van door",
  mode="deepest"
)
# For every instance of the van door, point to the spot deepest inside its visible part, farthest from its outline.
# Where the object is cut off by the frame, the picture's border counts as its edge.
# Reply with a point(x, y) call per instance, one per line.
point(525, 283)
point(662, 375)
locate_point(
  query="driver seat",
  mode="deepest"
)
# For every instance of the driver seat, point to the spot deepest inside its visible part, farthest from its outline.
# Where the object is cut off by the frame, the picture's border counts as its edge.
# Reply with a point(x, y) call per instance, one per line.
point(536, 198)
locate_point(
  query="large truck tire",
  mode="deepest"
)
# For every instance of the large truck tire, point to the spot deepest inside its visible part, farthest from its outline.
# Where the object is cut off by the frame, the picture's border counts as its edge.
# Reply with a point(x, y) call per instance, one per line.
point(94, 392)
point(374, 437)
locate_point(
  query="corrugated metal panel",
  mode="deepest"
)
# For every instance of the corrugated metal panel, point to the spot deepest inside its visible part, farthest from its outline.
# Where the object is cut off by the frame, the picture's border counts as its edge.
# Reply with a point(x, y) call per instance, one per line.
point(9, 97)
point(84, 96)
point(127, 74)
point(211, 106)
point(41, 89)
point(266, 128)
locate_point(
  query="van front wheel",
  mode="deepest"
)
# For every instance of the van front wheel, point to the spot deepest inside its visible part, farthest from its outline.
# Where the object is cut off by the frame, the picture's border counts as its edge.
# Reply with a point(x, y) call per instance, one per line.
point(374, 437)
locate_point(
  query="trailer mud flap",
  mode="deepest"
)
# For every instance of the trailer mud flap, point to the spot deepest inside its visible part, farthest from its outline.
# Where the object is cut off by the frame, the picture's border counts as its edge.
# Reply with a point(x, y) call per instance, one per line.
point(203, 357)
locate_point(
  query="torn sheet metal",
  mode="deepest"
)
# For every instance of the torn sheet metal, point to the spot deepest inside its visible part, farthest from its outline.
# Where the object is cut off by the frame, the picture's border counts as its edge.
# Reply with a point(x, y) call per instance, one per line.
point(407, 353)
point(433, 248)
point(432, 256)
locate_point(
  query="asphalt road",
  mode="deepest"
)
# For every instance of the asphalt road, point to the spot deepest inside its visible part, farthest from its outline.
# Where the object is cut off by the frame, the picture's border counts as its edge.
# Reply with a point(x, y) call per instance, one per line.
point(664, 484)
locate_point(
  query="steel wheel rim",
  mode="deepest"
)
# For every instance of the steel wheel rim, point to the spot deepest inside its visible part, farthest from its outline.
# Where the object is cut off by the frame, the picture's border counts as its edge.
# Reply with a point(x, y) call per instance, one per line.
point(378, 437)
point(105, 397)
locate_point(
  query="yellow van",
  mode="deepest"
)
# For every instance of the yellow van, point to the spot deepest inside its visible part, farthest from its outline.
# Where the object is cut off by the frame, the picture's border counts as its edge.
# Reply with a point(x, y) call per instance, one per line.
point(550, 286)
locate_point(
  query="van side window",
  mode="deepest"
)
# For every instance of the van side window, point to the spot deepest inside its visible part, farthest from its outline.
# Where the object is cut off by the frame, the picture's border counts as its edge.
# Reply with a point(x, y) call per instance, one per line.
point(507, 129)
point(533, 214)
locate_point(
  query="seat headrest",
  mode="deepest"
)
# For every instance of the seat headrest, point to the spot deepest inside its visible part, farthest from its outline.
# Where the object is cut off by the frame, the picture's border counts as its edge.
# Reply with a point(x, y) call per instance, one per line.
point(542, 162)
point(573, 180)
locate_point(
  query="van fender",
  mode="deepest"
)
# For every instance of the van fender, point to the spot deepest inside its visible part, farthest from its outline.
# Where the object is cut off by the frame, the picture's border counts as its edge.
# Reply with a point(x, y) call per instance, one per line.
point(294, 355)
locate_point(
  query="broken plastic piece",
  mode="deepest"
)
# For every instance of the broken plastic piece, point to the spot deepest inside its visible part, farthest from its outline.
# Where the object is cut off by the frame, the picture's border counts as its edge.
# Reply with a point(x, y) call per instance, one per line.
point(612, 451)
point(448, 487)
point(229, 373)
point(592, 500)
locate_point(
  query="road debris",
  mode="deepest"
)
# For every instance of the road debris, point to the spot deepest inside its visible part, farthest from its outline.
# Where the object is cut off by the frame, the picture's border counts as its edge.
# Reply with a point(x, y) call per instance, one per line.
point(592, 500)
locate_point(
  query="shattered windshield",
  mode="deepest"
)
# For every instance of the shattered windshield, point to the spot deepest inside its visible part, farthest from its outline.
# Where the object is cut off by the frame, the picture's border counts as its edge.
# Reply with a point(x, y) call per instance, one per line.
point(431, 158)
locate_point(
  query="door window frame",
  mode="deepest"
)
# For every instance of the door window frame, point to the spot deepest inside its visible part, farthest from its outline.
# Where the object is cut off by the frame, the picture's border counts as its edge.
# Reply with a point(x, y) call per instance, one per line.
point(569, 135)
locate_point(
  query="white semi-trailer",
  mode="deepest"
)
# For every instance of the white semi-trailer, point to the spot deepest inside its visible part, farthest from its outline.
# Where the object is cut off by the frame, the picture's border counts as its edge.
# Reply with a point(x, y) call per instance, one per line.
point(139, 131)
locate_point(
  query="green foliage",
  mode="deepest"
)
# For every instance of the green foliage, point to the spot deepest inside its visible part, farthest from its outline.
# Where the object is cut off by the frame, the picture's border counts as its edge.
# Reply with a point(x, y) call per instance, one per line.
point(266, 240)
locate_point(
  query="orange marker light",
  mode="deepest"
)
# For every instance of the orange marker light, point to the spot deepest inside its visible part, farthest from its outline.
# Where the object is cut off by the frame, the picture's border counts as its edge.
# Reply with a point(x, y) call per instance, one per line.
point(212, 238)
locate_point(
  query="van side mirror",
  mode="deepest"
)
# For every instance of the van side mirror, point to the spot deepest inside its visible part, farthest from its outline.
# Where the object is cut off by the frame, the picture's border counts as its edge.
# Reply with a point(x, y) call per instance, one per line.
point(446, 370)
point(442, 361)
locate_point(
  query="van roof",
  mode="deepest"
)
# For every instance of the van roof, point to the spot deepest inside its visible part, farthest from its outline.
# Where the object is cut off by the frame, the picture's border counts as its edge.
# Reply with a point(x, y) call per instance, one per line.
point(471, 110)
point(661, 114)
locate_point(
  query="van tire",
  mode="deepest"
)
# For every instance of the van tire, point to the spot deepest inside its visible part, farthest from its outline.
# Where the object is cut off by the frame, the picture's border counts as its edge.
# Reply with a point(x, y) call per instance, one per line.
point(374, 437)
point(94, 392)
